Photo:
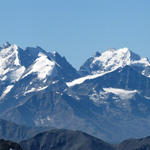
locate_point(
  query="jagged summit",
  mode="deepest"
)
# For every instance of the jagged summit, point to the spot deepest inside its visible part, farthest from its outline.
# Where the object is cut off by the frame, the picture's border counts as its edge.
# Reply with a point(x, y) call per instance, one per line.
point(9, 45)
point(10, 66)
point(33, 68)
point(6, 45)
point(97, 54)
point(112, 59)
point(121, 53)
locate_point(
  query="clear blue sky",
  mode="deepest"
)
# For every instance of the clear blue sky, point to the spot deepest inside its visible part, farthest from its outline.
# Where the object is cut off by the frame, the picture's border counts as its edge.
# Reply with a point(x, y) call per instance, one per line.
point(77, 28)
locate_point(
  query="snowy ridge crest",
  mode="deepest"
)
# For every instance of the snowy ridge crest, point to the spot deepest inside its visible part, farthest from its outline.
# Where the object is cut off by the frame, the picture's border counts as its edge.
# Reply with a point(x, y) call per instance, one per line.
point(33, 69)
point(42, 66)
point(46, 65)
point(112, 59)
point(12, 70)
point(10, 63)
point(109, 61)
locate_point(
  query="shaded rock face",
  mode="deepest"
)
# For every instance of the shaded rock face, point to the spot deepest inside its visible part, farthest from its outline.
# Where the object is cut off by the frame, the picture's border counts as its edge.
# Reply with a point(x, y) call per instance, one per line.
point(75, 140)
point(64, 140)
point(8, 145)
point(14, 132)
point(135, 144)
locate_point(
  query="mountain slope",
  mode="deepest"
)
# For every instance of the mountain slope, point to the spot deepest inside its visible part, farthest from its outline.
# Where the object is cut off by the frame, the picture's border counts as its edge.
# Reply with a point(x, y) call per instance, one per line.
point(105, 107)
point(28, 71)
point(135, 144)
point(64, 140)
point(76, 140)
point(10, 67)
point(73, 140)
point(14, 132)
point(121, 100)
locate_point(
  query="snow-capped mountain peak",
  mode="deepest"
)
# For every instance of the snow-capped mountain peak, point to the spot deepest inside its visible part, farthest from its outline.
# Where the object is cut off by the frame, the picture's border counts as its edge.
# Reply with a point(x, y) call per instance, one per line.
point(113, 59)
point(110, 60)
point(42, 66)
point(33, 69)
point(9, 62)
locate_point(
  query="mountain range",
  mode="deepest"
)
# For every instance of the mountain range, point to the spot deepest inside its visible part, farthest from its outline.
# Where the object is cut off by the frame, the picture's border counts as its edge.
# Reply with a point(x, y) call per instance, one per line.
point(76, 140)
point(108, 97)
point(63, 139)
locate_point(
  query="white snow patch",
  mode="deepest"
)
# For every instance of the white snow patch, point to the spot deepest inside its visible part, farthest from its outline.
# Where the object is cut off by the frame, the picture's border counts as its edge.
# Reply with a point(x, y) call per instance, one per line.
point(15, 75)
point(99, 97)
point(57, 92)
point(30, 83)
point(48, 118)
point(42, 66)
point(147, 97)
point(77, 97)
point(17, 61)
point(42, 120)
point(44, 81)
point(54, 82)
point(142, 61)
point(35, 90)
point(123, 94)
point(82, 79)
point(3, 78)
point(6, 91)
